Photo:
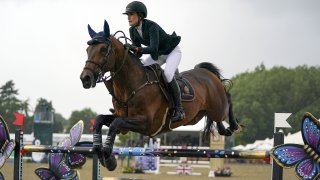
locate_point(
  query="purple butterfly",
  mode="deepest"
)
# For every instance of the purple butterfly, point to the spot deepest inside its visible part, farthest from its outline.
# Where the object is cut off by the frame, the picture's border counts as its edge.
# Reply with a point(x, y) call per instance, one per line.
point(74, 160)
point(47, 174)
point(58, 166)
point(6, 144)
point(77, 160)
point(306, 159)
point(58, 169)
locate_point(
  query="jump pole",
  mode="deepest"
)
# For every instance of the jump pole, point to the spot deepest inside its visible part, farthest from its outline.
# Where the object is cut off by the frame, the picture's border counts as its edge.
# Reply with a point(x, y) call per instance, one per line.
point(137, 151)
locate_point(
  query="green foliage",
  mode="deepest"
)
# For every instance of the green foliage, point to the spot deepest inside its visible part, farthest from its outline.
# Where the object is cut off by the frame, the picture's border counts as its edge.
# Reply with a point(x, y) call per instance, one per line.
point(86, 114)
point(131, 139)
point(59, 123)
point(259, 94)
point(9, 103)
point(43, 105)
point(128, 169)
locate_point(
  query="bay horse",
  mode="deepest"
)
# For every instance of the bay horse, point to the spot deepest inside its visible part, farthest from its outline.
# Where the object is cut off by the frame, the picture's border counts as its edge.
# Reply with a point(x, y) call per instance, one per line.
point(140, 104)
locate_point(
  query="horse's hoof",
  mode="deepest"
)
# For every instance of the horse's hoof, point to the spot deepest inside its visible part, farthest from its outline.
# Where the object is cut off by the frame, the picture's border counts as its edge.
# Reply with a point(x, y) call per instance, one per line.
point(228, 132)
point(111, 163)
point(102, 161)
point(106, 151)
point(100, 156)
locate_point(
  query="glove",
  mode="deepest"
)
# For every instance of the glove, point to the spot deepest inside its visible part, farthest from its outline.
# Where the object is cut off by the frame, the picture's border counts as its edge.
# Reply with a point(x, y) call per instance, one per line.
point(130, 47)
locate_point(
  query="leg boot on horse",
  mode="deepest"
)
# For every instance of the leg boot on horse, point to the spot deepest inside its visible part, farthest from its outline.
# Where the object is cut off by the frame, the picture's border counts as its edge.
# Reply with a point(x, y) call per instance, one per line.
point(178, 112)
point(108, 161)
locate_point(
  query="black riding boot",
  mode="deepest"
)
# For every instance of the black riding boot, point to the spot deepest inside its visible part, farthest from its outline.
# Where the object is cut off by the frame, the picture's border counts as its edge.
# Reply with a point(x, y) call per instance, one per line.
point(178, 113)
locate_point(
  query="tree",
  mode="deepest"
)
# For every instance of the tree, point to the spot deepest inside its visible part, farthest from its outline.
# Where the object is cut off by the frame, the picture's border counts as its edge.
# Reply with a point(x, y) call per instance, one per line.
point(259, 94)
point(45, 107)
point(59, 123)
point(86, 115)
point(9, 103)
point(130, 139)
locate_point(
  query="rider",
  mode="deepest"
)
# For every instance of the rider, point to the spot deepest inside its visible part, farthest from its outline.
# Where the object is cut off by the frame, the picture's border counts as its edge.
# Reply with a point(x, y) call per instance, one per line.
point(160, 47)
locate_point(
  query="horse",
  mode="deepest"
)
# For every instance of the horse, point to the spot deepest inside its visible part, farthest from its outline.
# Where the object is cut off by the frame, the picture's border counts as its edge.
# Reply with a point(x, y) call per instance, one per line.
point(140, 104)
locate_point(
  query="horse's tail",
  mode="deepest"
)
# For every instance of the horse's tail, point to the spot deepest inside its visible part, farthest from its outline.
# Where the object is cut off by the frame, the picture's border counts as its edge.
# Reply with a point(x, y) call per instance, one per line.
point(227, 83)
point(210, 67)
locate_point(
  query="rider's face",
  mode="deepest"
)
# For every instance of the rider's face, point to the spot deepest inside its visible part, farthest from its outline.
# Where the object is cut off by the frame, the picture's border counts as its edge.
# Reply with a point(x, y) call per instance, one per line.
point(133, 18)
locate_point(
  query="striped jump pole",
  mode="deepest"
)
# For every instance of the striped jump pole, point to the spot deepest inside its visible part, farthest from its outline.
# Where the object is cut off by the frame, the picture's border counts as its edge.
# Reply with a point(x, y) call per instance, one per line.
point(137, 151)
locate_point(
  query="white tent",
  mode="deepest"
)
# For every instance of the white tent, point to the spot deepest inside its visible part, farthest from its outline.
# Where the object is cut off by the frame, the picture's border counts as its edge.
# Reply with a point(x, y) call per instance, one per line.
point(295, 138)
point(238, 148)
point(267, 144)
point(197, 127)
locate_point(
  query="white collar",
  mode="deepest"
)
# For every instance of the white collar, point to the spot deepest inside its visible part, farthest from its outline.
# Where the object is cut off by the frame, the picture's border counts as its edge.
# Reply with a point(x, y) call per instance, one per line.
point(139, 28)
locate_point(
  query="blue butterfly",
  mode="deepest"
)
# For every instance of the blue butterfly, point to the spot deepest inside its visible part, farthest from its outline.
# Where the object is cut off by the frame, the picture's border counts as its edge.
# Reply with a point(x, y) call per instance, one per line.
point(6, 144)
point(61, 165)
point(305, 159)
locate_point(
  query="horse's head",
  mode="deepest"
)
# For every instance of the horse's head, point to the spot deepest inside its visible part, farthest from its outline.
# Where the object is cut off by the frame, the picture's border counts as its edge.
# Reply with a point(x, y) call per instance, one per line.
point(100, 57)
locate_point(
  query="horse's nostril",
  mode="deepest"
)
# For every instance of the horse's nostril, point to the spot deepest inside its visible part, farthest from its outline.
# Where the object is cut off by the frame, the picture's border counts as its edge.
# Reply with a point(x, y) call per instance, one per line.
point(86, 78)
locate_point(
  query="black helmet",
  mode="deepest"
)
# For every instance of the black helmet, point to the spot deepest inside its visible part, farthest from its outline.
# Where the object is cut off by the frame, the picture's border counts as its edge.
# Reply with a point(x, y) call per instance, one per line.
point(136, 6)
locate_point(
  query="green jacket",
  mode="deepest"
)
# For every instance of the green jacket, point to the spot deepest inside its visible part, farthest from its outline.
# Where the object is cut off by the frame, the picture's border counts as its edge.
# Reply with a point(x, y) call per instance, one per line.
point(156, 40)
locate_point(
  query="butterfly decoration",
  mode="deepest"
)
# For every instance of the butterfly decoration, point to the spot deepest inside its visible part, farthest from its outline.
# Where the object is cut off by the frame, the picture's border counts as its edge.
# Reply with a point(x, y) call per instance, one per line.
point(6, 144)
point(305, 158)
point(61, 165)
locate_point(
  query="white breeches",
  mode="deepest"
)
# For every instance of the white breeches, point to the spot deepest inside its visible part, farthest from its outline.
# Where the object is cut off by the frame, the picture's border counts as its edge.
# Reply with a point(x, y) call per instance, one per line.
point(171, 60)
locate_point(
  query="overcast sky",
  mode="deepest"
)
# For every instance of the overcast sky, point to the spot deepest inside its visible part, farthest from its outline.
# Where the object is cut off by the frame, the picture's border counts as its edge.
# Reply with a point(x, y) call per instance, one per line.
point(43, 42)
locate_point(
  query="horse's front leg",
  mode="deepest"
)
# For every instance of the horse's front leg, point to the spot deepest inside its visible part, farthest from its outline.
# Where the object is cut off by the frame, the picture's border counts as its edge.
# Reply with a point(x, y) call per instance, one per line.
point(132, 124)
point(100, 120)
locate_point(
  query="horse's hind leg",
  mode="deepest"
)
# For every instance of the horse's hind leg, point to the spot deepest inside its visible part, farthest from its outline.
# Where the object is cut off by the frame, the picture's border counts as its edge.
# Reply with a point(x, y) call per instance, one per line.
point(233, 122)
point(234, 126)
point(222, 130)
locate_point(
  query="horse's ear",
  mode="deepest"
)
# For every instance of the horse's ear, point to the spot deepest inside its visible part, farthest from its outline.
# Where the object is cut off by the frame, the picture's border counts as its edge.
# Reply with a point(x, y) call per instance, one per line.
point(106, 29)
point(92, 33)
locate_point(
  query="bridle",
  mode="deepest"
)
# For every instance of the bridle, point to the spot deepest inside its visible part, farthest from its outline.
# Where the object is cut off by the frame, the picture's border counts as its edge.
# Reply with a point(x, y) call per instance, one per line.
point(100, 73)
point(100, 67)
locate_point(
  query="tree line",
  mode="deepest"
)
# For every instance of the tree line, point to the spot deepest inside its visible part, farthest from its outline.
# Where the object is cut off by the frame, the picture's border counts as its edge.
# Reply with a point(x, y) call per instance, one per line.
point(256, 96)
point(259, 94)
point(10, 103)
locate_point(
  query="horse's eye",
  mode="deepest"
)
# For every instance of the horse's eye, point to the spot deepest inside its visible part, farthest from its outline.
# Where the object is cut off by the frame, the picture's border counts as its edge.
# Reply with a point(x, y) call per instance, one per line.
point(104, 51)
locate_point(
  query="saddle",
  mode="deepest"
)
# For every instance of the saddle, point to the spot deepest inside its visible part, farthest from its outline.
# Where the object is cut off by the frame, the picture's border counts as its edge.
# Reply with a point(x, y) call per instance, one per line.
point(155, 72)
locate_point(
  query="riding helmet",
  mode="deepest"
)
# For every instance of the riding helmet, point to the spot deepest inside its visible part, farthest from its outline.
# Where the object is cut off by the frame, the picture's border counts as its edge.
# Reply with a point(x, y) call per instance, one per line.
point(136, 6)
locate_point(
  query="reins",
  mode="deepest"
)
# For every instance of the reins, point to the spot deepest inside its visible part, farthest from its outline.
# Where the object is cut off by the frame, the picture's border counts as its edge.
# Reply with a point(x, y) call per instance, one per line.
point(124, 103)
point(112, 75)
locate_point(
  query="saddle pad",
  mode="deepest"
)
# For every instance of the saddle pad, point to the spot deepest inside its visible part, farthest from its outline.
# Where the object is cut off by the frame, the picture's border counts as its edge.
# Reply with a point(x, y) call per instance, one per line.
point(187, 91)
